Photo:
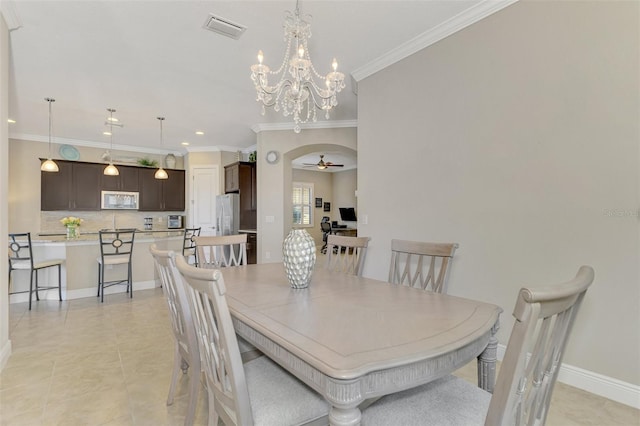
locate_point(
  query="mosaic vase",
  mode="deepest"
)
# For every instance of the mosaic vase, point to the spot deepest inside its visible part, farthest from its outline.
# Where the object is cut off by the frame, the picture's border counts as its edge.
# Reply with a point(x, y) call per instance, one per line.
point(299, 257)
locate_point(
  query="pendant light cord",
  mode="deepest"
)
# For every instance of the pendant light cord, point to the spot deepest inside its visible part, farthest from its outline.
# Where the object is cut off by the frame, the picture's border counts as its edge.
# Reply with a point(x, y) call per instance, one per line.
point(50, 122)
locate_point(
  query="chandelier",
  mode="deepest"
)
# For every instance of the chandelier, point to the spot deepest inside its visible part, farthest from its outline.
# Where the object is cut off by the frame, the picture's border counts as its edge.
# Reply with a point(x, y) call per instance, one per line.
point(297, 93)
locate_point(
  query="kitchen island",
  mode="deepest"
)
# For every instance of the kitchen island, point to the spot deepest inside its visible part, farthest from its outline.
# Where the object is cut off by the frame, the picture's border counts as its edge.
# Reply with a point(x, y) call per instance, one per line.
point(80, 267)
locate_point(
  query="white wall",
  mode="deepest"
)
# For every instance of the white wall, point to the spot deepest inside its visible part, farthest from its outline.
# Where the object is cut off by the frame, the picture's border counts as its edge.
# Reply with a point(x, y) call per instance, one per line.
point(345, 184)
point(518, 138)
point(5, 343)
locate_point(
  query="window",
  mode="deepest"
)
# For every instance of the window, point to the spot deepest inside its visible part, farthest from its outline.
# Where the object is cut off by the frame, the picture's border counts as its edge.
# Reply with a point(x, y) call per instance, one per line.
point(302, 208)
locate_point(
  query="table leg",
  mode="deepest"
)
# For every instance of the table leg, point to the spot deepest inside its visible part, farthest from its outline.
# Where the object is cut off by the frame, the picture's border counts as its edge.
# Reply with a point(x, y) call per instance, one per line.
point(344, 416)
point(487, 362)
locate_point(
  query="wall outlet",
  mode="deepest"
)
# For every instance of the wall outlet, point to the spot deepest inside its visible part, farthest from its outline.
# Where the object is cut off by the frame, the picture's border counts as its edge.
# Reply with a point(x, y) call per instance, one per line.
point(269, 219)
point(267, 255)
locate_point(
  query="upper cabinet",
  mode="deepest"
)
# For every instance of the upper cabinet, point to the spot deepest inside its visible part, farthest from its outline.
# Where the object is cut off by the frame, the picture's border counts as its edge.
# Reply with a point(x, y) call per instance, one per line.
point(77, 186)
point(73, 187)
point(161, 194)
point(240, 178)
point(127, 180)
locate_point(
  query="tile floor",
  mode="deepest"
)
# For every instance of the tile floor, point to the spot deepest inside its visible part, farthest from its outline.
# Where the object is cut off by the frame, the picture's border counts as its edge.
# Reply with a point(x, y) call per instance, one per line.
point(80, 362)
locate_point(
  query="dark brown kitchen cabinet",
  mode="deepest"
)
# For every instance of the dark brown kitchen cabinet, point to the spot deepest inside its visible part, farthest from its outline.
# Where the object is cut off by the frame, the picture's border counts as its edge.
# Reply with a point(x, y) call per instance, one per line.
point(240, 178)
point(161, 194)
point(127, 180)
point(73, 187)
point(252, 247)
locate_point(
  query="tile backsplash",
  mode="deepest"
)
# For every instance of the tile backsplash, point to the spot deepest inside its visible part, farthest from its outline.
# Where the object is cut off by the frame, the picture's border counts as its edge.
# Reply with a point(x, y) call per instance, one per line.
point(93, 221)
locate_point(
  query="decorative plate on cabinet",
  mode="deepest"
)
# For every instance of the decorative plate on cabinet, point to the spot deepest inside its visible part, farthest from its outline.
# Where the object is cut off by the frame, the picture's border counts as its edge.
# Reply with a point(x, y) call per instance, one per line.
point(69, 152)
point(272, 157)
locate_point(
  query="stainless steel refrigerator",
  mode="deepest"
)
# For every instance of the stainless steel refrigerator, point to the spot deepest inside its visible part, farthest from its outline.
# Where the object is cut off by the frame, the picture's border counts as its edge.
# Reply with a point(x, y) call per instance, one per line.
point(227, 214)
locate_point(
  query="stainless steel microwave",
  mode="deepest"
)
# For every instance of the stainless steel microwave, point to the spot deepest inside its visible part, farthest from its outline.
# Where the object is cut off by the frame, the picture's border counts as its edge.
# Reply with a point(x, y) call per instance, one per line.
point(119, 200)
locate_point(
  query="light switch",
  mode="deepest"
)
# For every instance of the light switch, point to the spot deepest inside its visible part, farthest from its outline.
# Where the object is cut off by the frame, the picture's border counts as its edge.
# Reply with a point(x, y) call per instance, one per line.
point(269, 219)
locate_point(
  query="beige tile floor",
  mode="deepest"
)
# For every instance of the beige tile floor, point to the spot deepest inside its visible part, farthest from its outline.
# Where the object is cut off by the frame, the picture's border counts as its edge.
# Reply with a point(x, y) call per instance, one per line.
point(80, 362)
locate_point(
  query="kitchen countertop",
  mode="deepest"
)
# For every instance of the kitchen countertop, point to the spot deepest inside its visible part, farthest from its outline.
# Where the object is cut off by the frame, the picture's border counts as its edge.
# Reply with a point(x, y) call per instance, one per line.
point(92, 237)
point(248, 231)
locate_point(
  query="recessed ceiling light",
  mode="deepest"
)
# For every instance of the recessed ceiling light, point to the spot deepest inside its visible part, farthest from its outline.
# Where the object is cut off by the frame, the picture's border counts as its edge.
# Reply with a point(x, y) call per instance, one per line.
point(199, 132)
point(11, 120)
point(185, 143)
point(112, 119)
point(106, 133)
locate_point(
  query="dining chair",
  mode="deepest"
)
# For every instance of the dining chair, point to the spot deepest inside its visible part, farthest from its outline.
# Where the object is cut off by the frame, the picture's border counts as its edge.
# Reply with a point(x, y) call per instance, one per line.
point(186, 355)
point(544, 317)
point(21, 259)
point(189, 245)
point(258, 392)
point(346, 254)
point(421, 264)
point(116, 248)
point(221, 251)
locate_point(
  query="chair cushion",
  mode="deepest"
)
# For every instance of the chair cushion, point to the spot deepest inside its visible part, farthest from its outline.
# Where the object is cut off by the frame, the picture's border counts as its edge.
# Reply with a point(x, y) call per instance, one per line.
point(25, 264)
point(48, 263)
point(114, 260)
point(449, 401)
point(278, 398)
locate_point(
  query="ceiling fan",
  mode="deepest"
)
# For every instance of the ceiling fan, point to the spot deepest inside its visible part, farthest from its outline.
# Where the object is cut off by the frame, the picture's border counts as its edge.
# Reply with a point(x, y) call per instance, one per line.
point(322, 164)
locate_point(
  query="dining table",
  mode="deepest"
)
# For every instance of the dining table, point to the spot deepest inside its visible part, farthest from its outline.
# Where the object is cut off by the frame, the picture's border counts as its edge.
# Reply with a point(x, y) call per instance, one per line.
point(354, 339)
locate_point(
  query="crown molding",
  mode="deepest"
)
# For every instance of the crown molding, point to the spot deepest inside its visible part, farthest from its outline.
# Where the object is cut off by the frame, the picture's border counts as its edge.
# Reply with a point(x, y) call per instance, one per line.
point(94, 144)
point(460, 21)
point(8, 11)
point(335, 124)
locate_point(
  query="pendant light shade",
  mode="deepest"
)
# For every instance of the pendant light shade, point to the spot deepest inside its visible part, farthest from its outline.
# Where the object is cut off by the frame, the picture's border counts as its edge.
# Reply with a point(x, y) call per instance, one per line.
point(49, 165)
point(111, 170)
point(161, 173)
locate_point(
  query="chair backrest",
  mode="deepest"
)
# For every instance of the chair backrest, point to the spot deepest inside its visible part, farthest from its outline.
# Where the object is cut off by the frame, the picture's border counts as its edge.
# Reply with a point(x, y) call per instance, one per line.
point(20, 252)
point(346, 254)
point(179, 308)
point(221, 251)
point(217, 342)
point(325, 219)
point(421, 265)
point(117, 242)
point(326, 230)
point(188, 243)
point(544, 317)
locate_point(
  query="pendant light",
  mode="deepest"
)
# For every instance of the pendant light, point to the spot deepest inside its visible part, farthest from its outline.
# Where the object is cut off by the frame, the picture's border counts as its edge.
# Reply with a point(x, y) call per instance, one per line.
point(49, 165)
point(161, 173)
point(111, 170)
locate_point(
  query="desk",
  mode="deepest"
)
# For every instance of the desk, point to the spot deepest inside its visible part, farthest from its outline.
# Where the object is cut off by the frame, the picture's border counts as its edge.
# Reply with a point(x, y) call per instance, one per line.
point(347, 232)
point(352, 338)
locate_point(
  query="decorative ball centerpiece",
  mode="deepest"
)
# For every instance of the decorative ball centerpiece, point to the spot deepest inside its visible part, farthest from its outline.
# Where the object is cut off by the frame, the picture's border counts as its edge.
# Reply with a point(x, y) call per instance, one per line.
point(299, 257)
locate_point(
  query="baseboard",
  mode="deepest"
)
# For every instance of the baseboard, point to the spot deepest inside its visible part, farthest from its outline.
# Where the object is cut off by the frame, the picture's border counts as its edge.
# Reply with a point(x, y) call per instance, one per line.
point(597, 384)
point(5, 353)
point(82, 292)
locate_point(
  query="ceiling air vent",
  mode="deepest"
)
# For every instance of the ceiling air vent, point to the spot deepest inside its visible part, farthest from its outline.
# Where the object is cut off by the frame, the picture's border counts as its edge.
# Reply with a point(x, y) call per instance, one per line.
point(223, 26)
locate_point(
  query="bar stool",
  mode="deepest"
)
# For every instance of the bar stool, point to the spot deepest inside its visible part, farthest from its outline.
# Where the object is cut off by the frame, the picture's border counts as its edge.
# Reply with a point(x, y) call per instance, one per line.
point(116, 248)
point(21, 259)
point(189, 245)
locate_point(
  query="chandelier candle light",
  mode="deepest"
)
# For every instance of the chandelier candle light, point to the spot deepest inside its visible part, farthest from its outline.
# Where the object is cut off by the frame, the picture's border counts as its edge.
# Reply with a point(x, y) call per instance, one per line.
point(296, 91)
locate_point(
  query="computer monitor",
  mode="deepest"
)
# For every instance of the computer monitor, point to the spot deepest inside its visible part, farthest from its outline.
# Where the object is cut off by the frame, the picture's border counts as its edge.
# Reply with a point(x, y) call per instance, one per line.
point(348, 214)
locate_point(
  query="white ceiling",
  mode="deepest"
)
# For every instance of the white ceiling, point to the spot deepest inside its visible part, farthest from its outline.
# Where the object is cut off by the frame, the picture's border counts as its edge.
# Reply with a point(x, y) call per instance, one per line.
point(153, 58)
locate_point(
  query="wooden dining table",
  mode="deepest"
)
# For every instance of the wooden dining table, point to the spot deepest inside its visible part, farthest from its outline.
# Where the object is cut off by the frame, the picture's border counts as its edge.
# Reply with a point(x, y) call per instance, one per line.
point(353, 339)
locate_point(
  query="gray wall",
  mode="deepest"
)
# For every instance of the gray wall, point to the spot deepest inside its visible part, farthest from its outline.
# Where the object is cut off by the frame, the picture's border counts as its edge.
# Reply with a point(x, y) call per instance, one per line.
point(518, 138)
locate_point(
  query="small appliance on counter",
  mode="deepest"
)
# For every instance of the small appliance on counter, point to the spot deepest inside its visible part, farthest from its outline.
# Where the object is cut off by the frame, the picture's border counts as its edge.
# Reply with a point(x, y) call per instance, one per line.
point(174, 221)
point(148, 223)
